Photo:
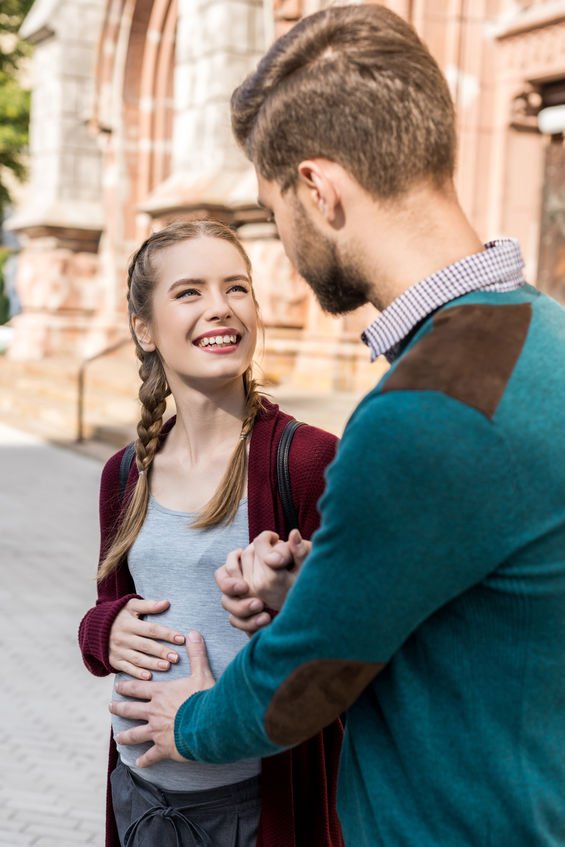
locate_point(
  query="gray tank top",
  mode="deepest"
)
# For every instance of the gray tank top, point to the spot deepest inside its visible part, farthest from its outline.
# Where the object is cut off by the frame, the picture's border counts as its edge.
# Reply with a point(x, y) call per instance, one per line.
point(170, 560)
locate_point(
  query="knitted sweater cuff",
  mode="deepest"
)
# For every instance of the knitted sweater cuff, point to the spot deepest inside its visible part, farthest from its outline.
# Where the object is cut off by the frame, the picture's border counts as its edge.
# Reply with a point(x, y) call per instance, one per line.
point(94, 634)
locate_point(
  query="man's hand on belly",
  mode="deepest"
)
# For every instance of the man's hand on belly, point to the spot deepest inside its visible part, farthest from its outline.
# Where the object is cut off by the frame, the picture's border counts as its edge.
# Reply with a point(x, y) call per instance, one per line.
point(158, 702)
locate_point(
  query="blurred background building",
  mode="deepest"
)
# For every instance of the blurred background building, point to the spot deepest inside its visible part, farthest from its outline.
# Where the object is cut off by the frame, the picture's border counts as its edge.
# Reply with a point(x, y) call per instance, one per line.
point(130, 129)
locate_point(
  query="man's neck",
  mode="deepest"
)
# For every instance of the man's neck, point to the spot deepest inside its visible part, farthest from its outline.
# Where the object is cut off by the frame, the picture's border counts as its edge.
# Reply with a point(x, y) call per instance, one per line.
point(403, 242)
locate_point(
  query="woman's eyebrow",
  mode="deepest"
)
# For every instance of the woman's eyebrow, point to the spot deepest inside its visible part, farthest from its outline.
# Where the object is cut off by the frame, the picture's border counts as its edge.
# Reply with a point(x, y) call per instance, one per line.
point(199, 281)
point(186, 281)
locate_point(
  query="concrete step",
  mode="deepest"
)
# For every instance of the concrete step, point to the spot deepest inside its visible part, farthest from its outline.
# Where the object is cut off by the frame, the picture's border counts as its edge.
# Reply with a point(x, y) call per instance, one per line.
point(43, 397)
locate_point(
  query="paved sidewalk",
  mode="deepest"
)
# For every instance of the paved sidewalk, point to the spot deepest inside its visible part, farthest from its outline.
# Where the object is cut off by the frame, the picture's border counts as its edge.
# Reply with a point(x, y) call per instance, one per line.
point(54, 723)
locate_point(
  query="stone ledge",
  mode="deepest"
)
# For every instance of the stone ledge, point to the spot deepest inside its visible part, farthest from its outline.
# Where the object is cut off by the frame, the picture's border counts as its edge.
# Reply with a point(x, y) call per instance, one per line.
point(216, 189)
point(76, 221)
point(535, 17)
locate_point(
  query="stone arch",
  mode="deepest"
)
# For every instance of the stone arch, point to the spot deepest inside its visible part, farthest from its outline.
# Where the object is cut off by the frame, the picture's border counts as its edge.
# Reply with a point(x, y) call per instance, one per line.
point(133, 117)
point(135, 65)
point(156, 98)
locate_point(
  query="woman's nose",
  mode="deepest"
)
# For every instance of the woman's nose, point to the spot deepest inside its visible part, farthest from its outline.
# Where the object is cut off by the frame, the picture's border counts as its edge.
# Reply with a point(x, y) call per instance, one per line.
point(218, 309)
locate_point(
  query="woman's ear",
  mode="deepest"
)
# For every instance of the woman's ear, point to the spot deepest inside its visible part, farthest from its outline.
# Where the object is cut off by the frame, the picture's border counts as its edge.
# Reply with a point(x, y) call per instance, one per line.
point(143, 334)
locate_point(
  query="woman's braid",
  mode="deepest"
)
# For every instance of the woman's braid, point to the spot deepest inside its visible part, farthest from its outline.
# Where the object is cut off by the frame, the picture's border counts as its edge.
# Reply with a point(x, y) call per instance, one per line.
point(153, 392)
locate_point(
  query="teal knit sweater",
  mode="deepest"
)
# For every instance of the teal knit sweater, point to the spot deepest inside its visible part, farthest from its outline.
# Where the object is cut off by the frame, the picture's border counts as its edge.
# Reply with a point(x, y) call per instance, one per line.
point(432, 605)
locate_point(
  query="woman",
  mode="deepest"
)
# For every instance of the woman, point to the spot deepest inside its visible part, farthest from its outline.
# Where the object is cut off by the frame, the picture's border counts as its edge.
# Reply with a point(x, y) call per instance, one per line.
point(201, 485)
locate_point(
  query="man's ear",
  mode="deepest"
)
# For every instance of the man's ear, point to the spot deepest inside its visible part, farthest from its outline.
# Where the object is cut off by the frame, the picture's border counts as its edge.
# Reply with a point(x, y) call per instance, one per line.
point(319, 190)
point(143, 334)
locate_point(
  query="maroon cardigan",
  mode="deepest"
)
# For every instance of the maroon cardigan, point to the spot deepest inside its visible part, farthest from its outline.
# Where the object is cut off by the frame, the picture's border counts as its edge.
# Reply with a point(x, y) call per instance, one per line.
point(298, 786)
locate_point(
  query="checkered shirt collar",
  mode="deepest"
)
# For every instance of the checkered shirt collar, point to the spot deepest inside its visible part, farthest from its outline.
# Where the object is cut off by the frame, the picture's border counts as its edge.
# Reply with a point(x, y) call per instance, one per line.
point(497, 268)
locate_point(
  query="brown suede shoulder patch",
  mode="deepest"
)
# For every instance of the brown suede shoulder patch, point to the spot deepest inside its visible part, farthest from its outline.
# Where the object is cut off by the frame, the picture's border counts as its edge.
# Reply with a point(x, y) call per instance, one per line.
point(469, 354)
point(313, 696)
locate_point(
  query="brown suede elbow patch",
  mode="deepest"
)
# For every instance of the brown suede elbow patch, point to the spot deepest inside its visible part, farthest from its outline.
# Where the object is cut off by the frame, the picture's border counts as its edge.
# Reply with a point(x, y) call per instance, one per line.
point(315, 695)
point(469, 355)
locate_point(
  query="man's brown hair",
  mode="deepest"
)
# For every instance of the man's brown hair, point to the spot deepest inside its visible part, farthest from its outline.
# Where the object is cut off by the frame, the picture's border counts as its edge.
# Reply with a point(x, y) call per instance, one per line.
point(355, 85)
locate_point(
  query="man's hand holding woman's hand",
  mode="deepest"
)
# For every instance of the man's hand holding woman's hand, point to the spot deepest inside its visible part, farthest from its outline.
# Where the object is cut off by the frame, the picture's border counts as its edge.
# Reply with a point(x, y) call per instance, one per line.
point(135, 646)
point(259, 578)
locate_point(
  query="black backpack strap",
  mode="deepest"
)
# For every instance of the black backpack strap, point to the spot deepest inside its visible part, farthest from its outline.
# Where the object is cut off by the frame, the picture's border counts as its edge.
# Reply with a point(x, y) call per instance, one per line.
point(125, 465)
point(283, 473)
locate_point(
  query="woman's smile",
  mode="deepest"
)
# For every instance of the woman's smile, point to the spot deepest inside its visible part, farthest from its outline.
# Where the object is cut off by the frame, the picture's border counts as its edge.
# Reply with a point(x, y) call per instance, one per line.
point(203, 297)
point(220, 340)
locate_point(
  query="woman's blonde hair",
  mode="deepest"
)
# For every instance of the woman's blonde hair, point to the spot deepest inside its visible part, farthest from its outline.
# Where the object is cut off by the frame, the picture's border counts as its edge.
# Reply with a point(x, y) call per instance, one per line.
point(154, 390)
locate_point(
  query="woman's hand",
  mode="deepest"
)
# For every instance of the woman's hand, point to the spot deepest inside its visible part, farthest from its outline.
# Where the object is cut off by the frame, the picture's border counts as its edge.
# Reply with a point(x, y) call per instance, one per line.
point(134, 648)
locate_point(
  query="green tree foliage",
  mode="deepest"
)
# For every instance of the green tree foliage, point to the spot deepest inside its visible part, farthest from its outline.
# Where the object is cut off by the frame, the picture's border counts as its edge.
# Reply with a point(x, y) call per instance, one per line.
point(4, 304)
point(14, 114)
point(14, 101)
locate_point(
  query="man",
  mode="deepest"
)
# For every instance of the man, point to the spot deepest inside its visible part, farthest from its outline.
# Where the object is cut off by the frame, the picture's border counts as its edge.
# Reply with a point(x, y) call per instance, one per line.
point(431, 607)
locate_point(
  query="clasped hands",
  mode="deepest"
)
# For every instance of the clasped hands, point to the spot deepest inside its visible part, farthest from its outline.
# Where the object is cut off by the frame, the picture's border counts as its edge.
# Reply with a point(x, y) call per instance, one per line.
point(260, 577)
point(252, 581)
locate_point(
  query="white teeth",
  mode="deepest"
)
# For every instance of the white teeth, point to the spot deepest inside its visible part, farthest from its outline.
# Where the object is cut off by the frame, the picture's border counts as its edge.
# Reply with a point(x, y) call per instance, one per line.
point(217, 339)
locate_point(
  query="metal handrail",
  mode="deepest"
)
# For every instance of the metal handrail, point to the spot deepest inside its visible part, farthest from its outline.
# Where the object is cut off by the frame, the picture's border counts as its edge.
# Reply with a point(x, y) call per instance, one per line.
point(81, 377)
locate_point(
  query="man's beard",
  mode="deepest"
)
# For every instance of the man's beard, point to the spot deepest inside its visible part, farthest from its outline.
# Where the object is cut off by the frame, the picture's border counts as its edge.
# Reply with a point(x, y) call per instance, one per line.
point(338, 283)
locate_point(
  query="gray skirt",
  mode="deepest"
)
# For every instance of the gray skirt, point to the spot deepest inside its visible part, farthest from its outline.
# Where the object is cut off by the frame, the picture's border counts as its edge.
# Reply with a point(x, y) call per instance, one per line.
point(146, 816)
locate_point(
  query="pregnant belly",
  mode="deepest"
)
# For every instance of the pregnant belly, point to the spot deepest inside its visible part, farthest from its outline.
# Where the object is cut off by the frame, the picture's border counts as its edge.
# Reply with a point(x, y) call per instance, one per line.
point(178, 776)
point(223, 642)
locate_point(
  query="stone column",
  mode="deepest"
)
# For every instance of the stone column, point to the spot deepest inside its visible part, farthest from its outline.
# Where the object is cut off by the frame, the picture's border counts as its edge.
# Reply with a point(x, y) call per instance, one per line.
point(60, 221)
